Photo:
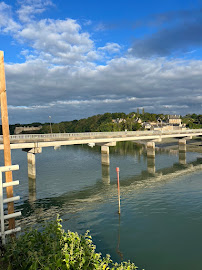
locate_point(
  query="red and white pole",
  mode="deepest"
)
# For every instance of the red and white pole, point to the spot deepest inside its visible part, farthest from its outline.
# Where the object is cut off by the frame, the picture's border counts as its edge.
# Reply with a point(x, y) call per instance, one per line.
point(118, 186)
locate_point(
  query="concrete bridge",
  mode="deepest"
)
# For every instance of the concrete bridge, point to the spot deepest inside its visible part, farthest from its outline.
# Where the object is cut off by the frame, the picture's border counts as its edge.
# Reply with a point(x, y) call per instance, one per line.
point(33, 143)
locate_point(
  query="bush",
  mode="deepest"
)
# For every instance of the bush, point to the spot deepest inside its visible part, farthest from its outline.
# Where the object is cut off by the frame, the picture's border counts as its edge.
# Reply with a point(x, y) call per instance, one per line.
point(53, 248)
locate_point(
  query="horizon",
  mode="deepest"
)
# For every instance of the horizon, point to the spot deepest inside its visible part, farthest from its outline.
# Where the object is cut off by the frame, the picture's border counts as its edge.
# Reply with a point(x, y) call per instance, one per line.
point(76, 60)
point(48, 122)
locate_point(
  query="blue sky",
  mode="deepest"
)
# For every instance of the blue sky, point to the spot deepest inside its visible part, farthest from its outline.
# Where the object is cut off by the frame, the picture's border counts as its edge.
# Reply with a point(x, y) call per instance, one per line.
point(73, 59)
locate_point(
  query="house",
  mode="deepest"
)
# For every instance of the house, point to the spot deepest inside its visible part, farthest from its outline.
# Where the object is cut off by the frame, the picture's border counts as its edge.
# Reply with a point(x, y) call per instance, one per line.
point(118, 120)
point(147, 125)
point(174, 120)
point(174, 123)
point(138, 120)
point(27, 129)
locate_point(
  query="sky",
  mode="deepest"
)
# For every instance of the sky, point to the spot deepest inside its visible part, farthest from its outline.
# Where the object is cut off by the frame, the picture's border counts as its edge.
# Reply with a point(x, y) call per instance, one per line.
point(74, 59)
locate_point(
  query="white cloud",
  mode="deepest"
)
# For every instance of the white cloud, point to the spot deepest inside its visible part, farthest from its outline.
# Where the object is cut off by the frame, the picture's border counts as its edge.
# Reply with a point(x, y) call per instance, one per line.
point(29, 8)
point(100, 27)
point(111, 47)
point(7, 24)
point(58, 41)
point(62, 74)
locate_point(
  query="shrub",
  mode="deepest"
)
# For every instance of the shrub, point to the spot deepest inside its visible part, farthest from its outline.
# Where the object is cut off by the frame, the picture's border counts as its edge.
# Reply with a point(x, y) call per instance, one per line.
point(53, 248)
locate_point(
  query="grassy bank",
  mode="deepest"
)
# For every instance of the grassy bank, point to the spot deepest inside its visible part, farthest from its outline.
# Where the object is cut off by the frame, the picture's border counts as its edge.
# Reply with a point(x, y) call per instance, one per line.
point(52, 248)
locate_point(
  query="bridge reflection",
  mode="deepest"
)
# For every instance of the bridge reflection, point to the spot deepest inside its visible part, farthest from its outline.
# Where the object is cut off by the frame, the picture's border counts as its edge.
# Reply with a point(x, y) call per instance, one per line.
point(34, 210)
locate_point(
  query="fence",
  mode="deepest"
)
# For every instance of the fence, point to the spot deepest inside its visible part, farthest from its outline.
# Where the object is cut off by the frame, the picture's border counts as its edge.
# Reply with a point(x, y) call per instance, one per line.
point(2, 201)
point(67, 136)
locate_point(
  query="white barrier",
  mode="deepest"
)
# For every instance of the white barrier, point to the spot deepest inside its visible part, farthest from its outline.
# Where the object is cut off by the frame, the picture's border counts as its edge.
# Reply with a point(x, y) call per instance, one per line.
point(2, 201)
point(99, 134)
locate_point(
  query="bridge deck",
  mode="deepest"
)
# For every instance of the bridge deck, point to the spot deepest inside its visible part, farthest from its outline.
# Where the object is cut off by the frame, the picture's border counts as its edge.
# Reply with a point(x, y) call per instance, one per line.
point(57, 139)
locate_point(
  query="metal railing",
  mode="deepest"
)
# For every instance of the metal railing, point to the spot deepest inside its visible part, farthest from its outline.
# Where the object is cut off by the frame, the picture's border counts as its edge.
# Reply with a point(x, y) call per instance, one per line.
point(2, 201)
point(98, 134)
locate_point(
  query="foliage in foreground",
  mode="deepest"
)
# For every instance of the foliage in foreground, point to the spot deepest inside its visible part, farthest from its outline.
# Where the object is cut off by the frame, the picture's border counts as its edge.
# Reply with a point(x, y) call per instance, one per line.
point(53, 248)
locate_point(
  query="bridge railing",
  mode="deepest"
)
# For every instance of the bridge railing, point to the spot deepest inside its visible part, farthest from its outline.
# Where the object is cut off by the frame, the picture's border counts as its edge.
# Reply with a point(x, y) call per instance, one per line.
point(99, 134)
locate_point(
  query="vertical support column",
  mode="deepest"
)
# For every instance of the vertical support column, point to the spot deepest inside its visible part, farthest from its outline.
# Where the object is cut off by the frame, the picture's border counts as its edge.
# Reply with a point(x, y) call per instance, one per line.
point(31, 160)
point(151, 165)
point(182, 151)
point(182, 145)
point(6, 138)
point(105, 161)
point(105, 174)
point(150, 149)
point(32, 189)
point(151, 157)
point(2, 210)
point(105, 155)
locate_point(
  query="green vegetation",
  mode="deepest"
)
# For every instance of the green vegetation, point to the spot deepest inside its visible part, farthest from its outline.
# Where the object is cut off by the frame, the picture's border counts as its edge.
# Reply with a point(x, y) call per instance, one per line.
point(111, 122)
point(54, 249)
point(193, 120)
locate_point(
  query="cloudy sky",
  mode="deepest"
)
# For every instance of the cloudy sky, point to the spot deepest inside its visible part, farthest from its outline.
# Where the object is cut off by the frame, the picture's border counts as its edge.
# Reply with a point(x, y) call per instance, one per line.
point(73, 59)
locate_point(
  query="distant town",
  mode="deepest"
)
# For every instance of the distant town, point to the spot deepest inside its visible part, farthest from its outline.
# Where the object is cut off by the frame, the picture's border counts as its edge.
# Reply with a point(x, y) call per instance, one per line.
point(133, 121)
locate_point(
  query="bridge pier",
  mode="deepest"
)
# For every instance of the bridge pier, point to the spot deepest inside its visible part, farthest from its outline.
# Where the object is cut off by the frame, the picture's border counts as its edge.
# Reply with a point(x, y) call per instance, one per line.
point(182, 145)
point(32, 189)
point(151, 149)
point(182, 151)
point(105, 155)
point(182, 158)
point(151, 168)
point(151, 157)
point(31, 165)
point(105, 152)
point(31, 160)
point(106, 174)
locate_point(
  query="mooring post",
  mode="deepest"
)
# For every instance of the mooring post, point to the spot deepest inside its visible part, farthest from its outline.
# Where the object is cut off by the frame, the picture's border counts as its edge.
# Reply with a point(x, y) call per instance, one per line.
point(6, 138)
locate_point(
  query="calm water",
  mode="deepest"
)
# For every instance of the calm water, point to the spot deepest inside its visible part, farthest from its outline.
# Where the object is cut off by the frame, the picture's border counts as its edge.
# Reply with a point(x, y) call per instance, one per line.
point(161, 213)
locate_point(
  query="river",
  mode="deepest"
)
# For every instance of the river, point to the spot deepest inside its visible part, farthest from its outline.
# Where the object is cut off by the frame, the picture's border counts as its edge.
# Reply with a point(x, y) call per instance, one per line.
point(161, 212)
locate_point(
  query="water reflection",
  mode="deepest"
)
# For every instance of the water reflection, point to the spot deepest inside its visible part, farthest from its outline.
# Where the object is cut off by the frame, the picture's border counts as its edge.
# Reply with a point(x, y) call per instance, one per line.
point(145, 191)
point(182, 158)
point(91, 196)
point(119, 239)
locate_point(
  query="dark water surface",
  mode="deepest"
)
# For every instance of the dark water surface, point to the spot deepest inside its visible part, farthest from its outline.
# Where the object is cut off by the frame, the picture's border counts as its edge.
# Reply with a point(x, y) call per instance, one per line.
point(161, 213)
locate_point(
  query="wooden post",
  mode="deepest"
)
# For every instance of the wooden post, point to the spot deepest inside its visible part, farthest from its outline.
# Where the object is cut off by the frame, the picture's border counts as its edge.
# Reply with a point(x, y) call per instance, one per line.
point(6, 138)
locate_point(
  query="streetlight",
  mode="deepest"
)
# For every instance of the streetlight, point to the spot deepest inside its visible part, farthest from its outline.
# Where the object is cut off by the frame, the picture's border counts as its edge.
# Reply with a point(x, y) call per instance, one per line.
point(50, 124)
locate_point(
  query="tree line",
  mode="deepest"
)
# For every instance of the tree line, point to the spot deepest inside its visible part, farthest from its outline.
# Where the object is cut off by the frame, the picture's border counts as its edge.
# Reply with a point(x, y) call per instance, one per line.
point(104, 123)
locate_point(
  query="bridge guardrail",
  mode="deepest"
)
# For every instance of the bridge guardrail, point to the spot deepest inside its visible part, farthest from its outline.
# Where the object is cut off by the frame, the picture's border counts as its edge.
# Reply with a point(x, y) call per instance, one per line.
point(99, 134)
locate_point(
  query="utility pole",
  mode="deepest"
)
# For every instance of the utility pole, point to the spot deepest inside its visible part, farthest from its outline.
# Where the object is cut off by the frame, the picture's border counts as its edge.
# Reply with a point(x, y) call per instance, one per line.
point(6, 138)
point(50, 125)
